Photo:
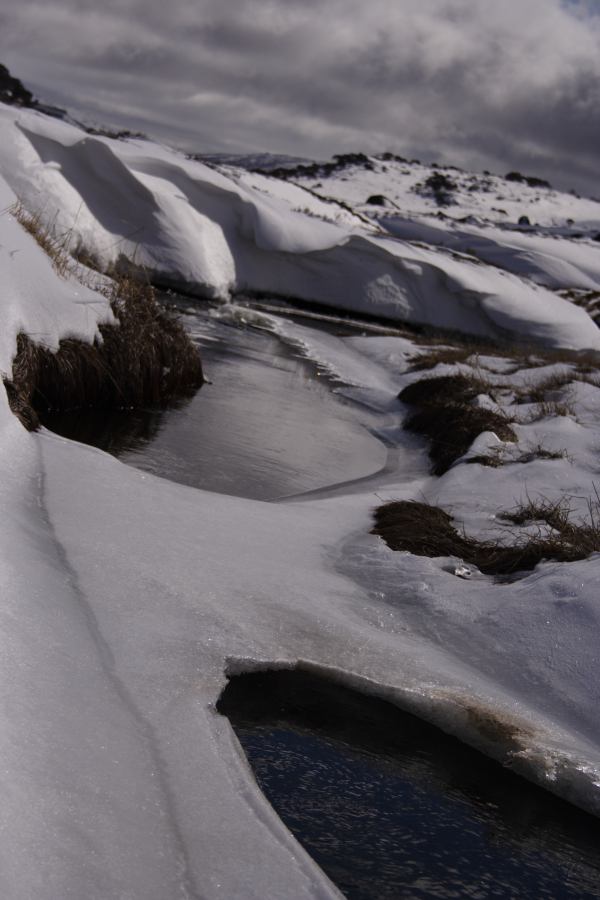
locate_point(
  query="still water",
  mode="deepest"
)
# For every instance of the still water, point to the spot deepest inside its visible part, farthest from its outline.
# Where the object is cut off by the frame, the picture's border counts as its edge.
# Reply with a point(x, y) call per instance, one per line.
point(268, 425)
point(390, 807)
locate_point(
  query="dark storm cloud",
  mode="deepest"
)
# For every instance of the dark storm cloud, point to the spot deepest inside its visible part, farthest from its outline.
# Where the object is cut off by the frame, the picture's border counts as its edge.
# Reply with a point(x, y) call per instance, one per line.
point(473, 82)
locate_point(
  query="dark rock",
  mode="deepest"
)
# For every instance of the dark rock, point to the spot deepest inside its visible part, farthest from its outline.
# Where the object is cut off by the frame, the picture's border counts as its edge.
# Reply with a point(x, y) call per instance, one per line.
point(530, 180)
point(440, 186)
point(12, 91)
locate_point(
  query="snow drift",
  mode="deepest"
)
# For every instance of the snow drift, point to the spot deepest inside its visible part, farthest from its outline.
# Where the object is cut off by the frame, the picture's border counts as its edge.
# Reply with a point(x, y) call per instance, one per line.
point(220, 232)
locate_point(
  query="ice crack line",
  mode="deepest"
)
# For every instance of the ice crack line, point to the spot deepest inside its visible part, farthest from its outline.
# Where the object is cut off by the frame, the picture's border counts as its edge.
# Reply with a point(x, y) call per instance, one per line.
point(189, 889)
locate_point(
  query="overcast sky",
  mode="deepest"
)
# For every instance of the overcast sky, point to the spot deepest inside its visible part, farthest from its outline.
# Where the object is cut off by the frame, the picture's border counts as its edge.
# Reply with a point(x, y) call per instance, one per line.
point(483, 84)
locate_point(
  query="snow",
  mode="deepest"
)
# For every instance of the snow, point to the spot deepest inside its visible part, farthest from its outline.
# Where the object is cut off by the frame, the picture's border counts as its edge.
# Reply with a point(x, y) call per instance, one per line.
point(219, 231)
point(127, 599)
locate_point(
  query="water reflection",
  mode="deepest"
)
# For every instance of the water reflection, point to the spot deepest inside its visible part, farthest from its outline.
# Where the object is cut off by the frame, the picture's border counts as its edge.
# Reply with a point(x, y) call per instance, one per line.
point(392, 808)
point(266, 427)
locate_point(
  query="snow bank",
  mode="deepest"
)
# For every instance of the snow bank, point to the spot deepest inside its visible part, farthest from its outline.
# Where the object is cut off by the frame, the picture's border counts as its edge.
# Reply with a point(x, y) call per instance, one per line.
point(34, 299)
point(546, 259)
point(221, 232)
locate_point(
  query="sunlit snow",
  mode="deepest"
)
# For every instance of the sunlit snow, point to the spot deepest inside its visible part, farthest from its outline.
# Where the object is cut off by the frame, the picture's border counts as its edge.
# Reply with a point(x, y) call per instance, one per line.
point(127, 599)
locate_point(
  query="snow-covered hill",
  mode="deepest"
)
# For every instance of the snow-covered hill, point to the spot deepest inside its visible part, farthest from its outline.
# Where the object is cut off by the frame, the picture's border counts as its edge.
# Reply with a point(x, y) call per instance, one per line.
point(220, 230)
point(125, 599)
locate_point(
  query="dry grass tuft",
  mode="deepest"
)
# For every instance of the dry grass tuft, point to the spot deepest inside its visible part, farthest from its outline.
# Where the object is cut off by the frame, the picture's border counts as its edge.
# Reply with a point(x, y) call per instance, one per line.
point(444, 389)
point(146, 359)
point(553, 384)
point(496, 457)
point(55, 247)
point(452, 348)
point(452, 429)
point(548, 409)
point(493, 459)
point(428, 531)
point(447, 418)
point(556, 514)
point(437, 355)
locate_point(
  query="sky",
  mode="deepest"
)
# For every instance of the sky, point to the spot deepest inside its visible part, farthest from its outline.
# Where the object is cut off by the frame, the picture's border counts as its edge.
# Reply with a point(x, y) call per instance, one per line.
point(482, 84)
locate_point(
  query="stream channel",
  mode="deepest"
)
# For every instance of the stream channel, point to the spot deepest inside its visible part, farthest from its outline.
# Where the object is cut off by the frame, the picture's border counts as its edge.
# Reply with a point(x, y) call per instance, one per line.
point(388, 806)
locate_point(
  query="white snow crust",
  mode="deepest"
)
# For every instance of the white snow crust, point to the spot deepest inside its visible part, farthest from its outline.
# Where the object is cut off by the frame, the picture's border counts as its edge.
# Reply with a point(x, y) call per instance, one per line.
point(126, 599)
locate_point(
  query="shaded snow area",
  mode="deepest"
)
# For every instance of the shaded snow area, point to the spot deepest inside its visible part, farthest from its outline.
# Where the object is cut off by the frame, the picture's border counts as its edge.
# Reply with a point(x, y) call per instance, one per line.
point(126, 599)
point(218, 230)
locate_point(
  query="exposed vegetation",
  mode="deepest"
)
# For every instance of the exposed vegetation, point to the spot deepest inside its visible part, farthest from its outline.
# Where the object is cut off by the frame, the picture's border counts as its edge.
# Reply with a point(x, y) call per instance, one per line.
point(529, 180)
point(340, 161)
point(441, 187)
point(428, 531)
point(442, 390)
point(450, 348)
point(548, 409)
point(56, 247)
point(377, 200)
point(448, 419)
point(438, 355)
point(496, 456)
point(539, 391)
point(145, 359)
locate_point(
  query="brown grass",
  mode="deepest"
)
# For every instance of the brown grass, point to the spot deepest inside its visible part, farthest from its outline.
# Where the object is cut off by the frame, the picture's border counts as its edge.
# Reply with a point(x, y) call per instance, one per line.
point(538, 393)
point(458, 348)
point(447, 418)
point(437, 355)
point(55, 247)
point(145, 359)
point(548, 409)
point(428, 531)
point(444, 389)
point(556, 514)
point(494, 458)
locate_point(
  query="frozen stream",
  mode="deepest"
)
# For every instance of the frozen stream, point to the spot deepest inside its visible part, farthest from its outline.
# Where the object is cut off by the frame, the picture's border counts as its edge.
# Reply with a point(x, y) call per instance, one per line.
point(268, 425)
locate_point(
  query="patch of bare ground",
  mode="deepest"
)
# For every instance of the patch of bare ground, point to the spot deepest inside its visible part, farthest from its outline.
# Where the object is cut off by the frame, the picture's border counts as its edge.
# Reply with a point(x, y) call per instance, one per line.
point(447, 417)
point(426, 530)
point(145, 359)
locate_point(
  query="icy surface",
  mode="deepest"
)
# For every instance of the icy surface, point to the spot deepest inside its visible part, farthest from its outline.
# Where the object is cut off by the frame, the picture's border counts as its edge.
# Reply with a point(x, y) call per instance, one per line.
point(126, 599)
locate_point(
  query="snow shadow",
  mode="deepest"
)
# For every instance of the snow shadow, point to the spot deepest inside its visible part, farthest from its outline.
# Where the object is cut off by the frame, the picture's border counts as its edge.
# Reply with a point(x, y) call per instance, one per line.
point(389, 806)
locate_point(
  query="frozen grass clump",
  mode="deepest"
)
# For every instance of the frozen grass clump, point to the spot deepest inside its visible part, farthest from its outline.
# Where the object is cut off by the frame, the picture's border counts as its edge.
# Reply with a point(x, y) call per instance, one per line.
point(144, 359)
point(428, 531)
point(445, 416)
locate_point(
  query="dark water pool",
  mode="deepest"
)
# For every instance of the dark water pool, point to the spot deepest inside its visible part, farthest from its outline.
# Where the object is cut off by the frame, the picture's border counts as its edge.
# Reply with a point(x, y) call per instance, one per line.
point(269, 425)
point(390, 807)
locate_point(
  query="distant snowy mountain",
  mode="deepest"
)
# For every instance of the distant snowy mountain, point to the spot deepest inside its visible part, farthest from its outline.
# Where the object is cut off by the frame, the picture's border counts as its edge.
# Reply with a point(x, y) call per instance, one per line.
point(265, 162)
